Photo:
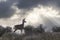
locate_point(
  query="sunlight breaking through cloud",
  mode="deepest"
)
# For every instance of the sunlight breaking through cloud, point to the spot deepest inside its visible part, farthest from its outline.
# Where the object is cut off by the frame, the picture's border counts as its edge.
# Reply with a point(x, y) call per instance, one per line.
point(35, 16)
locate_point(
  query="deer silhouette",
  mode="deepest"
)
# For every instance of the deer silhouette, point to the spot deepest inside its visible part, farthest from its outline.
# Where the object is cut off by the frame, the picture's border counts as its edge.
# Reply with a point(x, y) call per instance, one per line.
point(20, 26)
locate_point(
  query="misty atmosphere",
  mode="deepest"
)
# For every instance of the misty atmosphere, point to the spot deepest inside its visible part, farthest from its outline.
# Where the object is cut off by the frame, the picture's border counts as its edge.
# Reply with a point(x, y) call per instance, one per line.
point(29, 19)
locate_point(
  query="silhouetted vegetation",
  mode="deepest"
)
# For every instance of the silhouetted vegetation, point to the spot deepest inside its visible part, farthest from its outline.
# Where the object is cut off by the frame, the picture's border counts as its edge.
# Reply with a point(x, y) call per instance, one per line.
point(41, 29)
point(28, 29)
point(56, 29)
point(4, 30)
point(8, 29)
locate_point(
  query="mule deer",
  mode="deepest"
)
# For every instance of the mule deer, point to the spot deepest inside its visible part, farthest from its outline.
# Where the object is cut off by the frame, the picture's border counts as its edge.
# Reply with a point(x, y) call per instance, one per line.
point(20, 27)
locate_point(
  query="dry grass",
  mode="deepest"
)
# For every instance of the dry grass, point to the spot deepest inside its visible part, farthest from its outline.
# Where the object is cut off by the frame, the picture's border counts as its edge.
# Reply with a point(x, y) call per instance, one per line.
point(39, 36)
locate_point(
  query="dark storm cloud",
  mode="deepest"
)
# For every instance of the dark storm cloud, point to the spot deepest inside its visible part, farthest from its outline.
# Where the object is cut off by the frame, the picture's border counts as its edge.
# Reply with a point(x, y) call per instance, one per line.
point(5, 9)
point(32, 3)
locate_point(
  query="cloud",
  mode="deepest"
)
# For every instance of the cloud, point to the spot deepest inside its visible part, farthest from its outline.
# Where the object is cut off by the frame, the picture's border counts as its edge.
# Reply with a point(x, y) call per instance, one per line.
point(5, 9)
point(23, 4)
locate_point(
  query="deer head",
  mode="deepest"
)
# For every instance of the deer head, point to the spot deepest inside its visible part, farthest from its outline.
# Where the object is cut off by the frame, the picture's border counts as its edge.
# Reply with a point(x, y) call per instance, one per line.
point(24, 20)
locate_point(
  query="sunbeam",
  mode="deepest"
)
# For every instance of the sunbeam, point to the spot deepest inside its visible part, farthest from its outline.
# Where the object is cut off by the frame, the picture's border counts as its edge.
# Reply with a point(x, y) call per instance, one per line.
point(35, 17)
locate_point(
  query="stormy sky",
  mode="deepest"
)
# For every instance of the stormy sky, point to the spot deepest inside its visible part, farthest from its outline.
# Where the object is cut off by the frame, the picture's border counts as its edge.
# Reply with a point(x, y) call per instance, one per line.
point(35, 11)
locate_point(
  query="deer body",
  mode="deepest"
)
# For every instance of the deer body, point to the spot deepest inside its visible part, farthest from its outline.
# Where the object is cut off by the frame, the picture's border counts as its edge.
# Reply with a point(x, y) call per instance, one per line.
point(20, 27)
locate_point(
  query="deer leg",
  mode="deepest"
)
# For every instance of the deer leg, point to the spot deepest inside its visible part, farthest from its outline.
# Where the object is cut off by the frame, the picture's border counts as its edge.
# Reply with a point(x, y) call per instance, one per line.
point(21, 31)
point(15, 30)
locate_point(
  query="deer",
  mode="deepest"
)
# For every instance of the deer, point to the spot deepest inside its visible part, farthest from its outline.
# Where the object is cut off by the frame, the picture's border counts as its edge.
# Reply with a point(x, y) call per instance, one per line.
point(20, 26)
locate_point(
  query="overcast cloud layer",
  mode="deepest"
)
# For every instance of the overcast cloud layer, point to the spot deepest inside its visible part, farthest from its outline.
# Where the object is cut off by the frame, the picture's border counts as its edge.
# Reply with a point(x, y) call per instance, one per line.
point(33, 3)
point(6, 10)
